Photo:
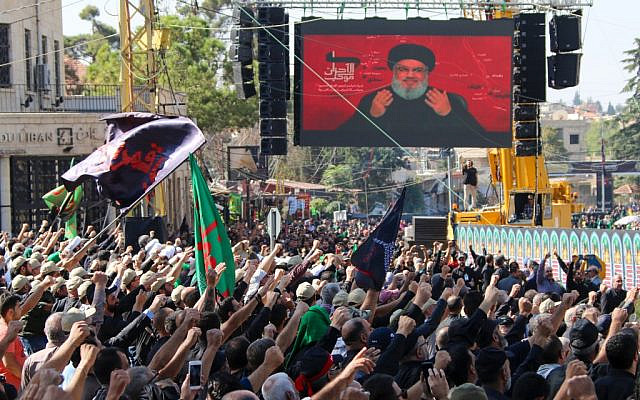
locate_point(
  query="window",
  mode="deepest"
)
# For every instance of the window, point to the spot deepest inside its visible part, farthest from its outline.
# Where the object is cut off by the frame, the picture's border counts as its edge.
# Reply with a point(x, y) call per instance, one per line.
point(45, 58)
point(56, 67)
point(5, 70)
point(27, 56)
point(574, 139)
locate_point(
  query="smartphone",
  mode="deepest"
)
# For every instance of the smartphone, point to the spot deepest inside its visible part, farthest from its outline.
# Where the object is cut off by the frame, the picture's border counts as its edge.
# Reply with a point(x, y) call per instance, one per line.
point(195, 369)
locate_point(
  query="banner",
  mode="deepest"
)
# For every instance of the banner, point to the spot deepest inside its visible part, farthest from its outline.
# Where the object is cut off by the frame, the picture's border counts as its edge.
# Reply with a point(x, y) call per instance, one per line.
point(145, 150)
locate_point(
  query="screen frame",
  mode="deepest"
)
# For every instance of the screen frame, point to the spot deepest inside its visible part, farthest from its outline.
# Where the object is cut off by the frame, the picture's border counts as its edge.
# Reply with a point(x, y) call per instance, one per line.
point(373, 26)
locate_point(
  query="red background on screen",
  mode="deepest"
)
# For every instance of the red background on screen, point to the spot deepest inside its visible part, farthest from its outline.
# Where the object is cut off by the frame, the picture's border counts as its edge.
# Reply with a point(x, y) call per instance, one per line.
point(476, 67)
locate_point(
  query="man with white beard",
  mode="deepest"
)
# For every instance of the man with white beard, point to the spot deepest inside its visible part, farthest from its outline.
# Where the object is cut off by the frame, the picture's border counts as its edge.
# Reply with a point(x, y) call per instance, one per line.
point(410, 107)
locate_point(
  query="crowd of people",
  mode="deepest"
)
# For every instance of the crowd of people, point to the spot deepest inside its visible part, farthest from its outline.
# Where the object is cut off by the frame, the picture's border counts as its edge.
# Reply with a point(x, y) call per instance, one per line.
point(109, 320)
point(594, 218)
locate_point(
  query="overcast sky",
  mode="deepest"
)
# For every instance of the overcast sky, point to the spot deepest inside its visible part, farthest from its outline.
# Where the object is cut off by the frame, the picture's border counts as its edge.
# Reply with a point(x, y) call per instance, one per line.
point(609, 28)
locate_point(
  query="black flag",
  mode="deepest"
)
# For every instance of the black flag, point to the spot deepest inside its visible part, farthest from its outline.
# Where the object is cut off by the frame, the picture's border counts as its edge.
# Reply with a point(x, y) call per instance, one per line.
point(143, 150)
point(373, 258)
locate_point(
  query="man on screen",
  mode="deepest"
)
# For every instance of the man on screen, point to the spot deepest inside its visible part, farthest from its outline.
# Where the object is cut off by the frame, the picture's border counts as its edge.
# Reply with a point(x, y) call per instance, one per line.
point(409, 106)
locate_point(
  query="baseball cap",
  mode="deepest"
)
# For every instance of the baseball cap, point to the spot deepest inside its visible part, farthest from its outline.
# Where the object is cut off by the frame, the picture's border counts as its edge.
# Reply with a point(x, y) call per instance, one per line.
point(147, 277)
point(356, 297)
point(74, 315)
point(128, 277)
point(380, 338)
point(79, 271)
point(59, 283)
point(582, 336)
point(18, 262)
point(82, 289)
point(505, 320)
point(548, 304)
point(340, 299)
point(467, 391)
point(305, 291)
point(19, 282)
point(74, 283)
point(49, 267)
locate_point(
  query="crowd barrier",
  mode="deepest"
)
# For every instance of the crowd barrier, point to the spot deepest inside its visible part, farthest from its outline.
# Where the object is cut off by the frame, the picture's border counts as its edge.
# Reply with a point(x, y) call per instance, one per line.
point(619, 249)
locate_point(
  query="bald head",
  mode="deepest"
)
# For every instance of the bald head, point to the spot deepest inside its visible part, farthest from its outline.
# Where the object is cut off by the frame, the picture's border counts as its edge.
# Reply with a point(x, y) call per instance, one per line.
point(355, 332)
point(240, 395)
point(279, 387)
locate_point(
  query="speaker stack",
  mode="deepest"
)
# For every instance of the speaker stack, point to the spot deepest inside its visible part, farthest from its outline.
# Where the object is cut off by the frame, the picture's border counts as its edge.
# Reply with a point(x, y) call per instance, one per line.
point(564, 39)
point(273, 74)
point(529, 83)
point(242, 52)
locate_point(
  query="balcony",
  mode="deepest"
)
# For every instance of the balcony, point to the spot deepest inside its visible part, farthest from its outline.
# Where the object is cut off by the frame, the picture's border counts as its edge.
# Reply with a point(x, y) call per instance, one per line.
point(80, 98)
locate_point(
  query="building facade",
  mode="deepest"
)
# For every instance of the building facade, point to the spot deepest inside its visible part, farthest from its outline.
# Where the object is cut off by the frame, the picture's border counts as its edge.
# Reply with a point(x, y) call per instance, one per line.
point(46, 123)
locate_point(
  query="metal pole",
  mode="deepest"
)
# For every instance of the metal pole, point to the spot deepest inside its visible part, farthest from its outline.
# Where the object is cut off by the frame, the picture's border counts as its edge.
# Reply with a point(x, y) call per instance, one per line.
point(449, 179)
point(604, 168)
point(366, 199)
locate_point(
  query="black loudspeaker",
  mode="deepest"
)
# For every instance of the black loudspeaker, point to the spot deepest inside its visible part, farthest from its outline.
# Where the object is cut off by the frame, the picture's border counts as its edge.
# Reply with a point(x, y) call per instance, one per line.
point(429, 229)
point(564, 70)
point(242, 53)
point(271, 15)
point(273, 146)
point(243, 16)
point(529, 58)
point(243, 80)
point(525, 112)
point(271, 71)
point(528, 148)
point(242, 36)
point(564, 33)
point(273, 127)
point(527, 130)
point(276, 90)
point(273, 109)
point(134, 227)
point(271, 52)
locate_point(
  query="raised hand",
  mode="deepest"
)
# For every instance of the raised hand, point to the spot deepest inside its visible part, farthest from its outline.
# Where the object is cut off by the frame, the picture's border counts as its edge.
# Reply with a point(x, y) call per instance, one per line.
point(438, 101)
point(381, 101)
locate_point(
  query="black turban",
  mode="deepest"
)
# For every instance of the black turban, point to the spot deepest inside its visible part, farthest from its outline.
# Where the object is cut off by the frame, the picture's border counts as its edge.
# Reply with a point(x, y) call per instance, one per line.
point(411, 52)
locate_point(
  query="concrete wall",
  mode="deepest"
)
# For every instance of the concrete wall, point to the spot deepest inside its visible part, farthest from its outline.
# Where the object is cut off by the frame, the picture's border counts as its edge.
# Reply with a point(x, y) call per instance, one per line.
point(577, 151)
point(44, 20)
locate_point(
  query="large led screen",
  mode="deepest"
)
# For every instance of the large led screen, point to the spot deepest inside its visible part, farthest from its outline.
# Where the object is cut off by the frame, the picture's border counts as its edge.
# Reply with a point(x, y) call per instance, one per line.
point(414, 83)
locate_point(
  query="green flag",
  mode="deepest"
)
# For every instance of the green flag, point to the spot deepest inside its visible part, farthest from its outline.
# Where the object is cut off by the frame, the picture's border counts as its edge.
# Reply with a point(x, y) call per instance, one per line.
point(54, 200)
point(212, 242)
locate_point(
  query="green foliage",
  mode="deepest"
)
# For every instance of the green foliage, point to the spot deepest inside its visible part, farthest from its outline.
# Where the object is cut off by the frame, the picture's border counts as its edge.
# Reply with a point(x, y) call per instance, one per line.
point(610, 109)
point(106, 67)
point(593, 137)
point(89, 51)
point(190, 66)
point(333, 206)
point(319, 204)
point(414, 199)
point(553, 145)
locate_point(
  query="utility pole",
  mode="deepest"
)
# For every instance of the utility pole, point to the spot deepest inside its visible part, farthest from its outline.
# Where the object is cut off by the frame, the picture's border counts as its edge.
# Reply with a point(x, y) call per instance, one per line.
point(604, 168)
point(448, 152)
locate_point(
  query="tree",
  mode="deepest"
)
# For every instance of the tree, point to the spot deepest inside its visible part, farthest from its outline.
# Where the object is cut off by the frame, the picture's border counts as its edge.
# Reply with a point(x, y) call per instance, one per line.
point(598, 107)
point(598, 129)
point(553, 145)
point(610, 109)
point(576, 99)
point(99, 30)
point(414, 199)
point(190, 65)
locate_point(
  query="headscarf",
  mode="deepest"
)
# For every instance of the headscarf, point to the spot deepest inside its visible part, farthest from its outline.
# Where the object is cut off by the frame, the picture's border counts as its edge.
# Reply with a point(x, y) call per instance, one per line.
point(313, 326)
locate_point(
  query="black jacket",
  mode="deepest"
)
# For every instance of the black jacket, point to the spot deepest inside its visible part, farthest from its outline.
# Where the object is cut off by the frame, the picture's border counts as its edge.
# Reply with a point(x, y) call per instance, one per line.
point(414, 123)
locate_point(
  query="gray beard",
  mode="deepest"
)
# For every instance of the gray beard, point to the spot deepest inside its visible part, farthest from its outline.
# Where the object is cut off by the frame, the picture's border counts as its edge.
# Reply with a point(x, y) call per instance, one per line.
point(409, 94)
